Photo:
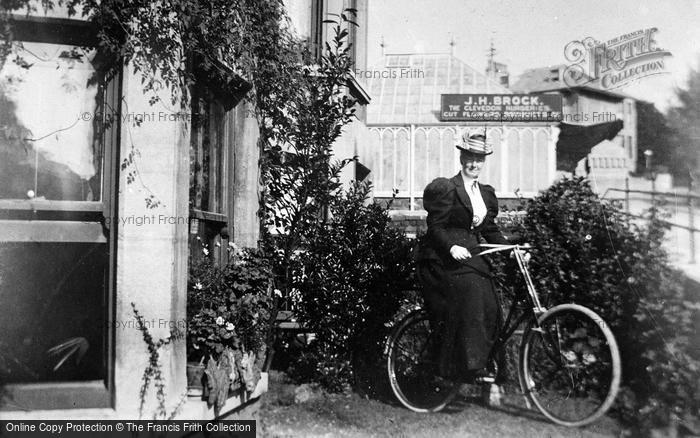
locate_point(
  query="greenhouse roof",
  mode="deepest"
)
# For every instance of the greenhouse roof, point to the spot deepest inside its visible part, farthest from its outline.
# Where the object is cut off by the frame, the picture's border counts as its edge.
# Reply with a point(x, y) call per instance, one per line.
point(406, 89)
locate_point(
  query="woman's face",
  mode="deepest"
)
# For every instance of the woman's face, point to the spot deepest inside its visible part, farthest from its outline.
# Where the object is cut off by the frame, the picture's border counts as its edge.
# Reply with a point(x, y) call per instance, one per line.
point(472, 164)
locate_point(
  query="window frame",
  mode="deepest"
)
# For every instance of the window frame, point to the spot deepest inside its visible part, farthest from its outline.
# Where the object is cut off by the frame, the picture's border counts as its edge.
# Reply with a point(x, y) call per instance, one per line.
point(216, 227)
point(317, 36)
point(89, 393)
point(212, 226)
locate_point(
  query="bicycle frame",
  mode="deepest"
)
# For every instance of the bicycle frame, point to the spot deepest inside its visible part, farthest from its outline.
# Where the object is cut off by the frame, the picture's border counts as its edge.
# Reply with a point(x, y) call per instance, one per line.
point(522, 264)
point(509, 325)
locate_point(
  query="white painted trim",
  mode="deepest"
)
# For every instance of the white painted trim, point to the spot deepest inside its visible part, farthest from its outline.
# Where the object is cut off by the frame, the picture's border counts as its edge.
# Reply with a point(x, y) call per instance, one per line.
point(52, 231)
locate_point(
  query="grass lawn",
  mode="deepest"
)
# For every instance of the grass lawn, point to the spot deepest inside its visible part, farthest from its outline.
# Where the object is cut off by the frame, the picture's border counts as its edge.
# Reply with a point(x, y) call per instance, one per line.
point(350, 415)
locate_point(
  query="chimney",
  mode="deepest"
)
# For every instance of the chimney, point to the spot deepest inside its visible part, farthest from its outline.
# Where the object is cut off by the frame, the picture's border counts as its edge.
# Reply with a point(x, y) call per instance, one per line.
point(496, 70)
point(554, 75)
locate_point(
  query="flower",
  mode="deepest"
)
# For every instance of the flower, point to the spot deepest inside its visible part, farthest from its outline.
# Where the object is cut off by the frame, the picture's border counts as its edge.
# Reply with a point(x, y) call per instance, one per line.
point(205, 251)
point(570, 356)
point(278, 293)
point(216, 318)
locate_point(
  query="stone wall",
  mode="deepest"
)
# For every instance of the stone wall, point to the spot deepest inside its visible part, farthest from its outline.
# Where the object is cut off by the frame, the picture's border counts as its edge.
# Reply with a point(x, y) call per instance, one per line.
point(413, 223)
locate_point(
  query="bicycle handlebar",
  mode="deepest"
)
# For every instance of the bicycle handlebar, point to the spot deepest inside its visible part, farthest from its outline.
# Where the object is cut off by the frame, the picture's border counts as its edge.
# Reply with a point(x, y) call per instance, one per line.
point(495, 247)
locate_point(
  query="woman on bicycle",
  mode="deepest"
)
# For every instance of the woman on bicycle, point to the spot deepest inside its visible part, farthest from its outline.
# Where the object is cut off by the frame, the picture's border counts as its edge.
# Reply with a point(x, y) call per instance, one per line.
point(457, 285)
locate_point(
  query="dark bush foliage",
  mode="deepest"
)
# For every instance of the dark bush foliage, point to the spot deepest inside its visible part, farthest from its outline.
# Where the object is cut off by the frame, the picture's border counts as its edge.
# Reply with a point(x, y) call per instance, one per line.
point(352, 277)
point(589, 253)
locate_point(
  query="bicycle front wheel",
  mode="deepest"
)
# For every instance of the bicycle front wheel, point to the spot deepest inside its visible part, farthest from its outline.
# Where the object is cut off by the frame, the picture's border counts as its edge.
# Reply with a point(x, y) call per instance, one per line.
point(570, 365)
point(411, 365)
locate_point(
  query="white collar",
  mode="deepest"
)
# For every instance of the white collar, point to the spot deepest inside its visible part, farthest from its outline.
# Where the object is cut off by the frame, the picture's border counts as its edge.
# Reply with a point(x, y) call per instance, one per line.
point(467, 180)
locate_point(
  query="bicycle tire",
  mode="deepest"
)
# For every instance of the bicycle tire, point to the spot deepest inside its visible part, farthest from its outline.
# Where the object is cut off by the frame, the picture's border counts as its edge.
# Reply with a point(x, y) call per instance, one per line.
point(569, 365)
point(411, 369)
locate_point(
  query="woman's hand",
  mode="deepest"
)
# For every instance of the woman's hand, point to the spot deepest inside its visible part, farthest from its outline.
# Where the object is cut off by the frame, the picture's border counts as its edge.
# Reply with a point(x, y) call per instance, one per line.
point(460, 253)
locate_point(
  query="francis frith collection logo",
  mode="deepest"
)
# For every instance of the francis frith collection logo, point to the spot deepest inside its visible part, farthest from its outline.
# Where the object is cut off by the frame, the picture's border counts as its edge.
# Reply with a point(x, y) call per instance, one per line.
point(616, 62)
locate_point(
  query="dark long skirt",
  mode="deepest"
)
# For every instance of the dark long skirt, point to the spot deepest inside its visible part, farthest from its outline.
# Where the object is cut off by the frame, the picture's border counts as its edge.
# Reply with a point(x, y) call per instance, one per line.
point(464, 314)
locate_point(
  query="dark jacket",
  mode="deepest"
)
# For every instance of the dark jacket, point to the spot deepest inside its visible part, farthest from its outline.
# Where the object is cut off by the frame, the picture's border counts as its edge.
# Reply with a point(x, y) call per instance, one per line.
point(450, 218)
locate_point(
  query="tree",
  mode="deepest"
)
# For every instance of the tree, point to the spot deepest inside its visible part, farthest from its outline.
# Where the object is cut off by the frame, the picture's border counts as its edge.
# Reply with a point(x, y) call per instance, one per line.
point(654, 134)
point(684, 120)
point(302, 114)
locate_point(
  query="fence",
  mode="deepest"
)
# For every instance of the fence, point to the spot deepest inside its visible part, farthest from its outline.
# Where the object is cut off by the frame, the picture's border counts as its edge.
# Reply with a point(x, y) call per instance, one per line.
point(655, 199)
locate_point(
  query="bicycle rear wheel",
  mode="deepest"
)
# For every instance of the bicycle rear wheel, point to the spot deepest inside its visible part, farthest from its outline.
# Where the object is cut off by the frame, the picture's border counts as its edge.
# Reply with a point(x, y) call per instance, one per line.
point(570, 365)
point(412, 367)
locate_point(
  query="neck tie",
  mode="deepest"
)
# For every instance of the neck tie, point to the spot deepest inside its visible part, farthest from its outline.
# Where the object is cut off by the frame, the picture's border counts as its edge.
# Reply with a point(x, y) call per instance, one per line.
point(478, 207)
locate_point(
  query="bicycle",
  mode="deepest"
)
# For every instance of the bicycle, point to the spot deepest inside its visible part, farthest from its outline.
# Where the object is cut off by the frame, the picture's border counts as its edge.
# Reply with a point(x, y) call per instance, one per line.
point(568, 367)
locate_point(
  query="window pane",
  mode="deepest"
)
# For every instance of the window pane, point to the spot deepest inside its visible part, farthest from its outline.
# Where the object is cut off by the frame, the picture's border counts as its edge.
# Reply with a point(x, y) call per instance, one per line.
point(434, 153)
point(429, 69)
point(450, 166)
point(493, 161)
point(402, 160)
point(56, 295)
point(514, 166)
point(541, 152)
point(468, 79)
point(527, 162)
point(420, 162)
point(207, 155)
point(49, 129)
point(388, 161)
point(370, 155)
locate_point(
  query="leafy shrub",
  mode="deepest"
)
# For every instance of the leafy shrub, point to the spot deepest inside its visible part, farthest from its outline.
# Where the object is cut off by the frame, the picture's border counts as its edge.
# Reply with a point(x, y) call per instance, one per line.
point(228, 306)
point(351, 278)
point(589, 253)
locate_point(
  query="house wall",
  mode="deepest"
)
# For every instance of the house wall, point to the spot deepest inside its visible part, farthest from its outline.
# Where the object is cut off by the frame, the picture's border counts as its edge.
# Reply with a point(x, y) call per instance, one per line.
point(355, 135)
point(152, 260)
point(588, 109)
point(152, 247)
point(246, 177)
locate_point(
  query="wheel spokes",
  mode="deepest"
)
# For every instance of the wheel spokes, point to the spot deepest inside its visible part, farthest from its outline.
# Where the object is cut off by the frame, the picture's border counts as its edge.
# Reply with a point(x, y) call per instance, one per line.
point(569, 367)
point(413, 369)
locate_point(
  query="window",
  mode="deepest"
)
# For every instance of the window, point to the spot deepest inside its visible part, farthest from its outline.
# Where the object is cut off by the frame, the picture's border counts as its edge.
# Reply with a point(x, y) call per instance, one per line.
point(514, 153)
point(630, 147)
point(212, 143)
point(317, 17)
point(352, 30)
point(527, 162)
point(403, 155)
point(57, 185)
point(388, 161)
point(209, 172)
point(420, 162)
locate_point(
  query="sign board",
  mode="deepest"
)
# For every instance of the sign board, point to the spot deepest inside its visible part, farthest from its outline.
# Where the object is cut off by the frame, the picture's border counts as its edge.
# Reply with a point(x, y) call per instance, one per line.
point(500, 108)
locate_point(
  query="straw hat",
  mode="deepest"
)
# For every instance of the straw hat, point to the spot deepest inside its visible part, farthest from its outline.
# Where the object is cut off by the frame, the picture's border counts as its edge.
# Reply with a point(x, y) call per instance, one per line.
point(476, 144)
